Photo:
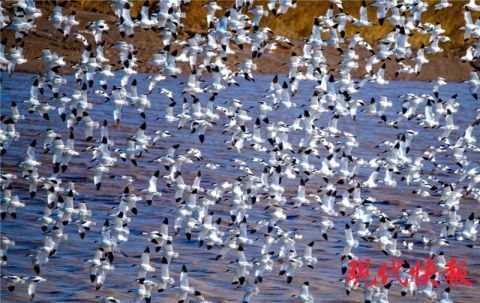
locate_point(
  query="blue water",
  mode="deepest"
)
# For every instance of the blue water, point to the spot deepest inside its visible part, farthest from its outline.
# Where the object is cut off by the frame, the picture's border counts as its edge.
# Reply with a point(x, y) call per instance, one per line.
point(66, 273)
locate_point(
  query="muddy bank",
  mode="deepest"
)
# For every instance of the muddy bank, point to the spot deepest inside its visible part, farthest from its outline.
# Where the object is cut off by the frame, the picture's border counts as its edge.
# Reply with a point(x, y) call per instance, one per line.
point(148, 42)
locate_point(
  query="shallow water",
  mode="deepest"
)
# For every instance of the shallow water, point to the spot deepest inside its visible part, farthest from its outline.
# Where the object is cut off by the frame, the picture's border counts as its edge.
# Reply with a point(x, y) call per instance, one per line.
point(66, 272)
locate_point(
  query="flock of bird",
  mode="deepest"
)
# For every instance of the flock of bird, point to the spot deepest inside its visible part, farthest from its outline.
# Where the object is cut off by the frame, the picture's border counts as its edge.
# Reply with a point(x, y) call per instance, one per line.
point(325, 154)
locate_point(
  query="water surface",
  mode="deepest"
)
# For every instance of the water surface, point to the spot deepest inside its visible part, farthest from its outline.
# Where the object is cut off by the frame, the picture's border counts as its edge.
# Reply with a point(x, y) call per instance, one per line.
point(66, 272)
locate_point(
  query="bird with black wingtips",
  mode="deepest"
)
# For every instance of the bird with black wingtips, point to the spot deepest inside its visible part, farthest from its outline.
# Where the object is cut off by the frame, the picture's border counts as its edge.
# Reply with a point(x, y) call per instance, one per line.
point(184, 289)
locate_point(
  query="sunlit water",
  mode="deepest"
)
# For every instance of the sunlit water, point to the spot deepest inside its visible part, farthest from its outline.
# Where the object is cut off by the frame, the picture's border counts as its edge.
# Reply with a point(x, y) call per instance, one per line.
point(66, 272)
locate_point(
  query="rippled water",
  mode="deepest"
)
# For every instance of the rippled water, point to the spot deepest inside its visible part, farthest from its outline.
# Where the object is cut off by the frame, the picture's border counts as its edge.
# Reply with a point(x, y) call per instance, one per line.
point(66, 272)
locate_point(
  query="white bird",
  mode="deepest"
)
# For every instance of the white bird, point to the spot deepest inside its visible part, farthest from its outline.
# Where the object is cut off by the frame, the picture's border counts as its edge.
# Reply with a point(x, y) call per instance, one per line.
point(307, 258)
point(164, 277)
point(250, 290)
point(474, 84)
point(363, 21)
point(184, 289)
point(32, 285)
point(145, 265)
point(442, 4)
point(305, 295)
point(151, 191)
point(350, 241)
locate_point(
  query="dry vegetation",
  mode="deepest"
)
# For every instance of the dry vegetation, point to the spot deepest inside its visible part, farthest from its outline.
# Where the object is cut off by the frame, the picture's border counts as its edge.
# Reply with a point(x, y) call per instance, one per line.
point(297, 23)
